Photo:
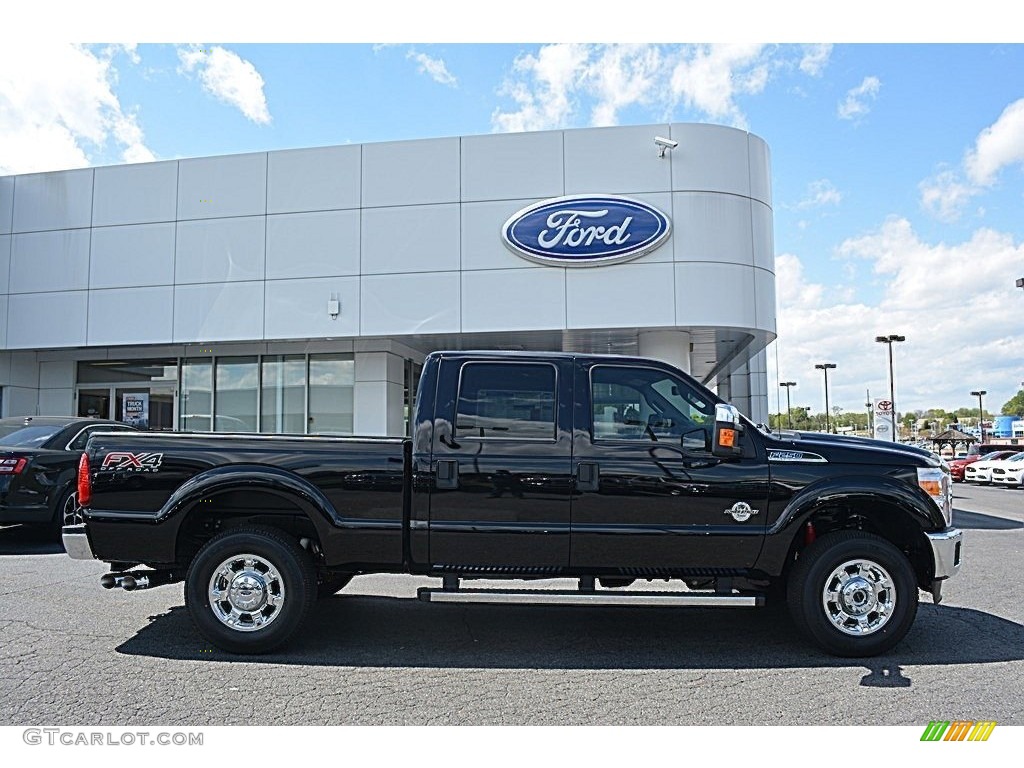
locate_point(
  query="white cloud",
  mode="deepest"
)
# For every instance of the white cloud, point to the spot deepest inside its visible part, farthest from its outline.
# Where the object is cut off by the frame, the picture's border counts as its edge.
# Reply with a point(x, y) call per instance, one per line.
point(815, 59)
point(820, 193)
point(944, 195)
point(949, 300)
point(565, 84)
point(228, 77)
point(544, 88)
point(713, 76)
point(58, 109)
point(999, 145)
point(858, 100)
point(434, 68)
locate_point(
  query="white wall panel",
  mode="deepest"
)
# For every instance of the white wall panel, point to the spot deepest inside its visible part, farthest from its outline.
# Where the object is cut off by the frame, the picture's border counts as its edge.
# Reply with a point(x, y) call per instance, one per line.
point(712, 227)
point(513, 299)
point(715, 295)
point(412, 303)
point(135, 194)
point(763, 236)
point(131, 316)
point(50, 261)
point(60, 200)
point(510, 166)
point(320, 179)
point(20, 401)
point(24, 369)
point(710, 158)
point(213, 187)
point(54, 374)
point(411, 172)
point(417, 238)
point(760, 169)
point(40, 320)
point(221, 250)
point(297, 309)
point(313, 244)
point(228, 312)
point(616, 161)
point(56, 402)
point(141, 254)
point(764, 295)
point(620, 296)
point(482, 247)
point(5, 262)
point(6, 204)
point(4, 300)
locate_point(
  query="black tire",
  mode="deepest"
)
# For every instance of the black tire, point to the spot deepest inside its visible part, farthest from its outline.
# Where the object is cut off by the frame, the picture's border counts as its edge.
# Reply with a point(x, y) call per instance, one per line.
point(330, 583)
point(889, 605)
point(290, 580)
point(67, 512)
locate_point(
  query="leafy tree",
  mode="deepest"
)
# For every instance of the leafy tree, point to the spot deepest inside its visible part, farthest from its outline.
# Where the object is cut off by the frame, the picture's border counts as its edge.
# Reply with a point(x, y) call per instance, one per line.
point(1015, 405)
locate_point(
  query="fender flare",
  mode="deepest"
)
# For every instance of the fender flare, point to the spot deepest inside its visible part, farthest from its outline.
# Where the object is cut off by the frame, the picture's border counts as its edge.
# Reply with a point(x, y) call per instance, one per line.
point(257, 477)
point(918, 511)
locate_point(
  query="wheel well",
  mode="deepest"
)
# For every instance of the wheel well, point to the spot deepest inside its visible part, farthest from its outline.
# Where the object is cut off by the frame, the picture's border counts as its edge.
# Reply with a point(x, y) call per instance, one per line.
point(875, 516)
point(221, 511)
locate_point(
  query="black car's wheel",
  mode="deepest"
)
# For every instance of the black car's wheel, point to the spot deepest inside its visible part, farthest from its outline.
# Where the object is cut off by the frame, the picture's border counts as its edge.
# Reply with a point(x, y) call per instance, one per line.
point(249, 589)
point(330, 583)
point(853, 594)
point(69, 511)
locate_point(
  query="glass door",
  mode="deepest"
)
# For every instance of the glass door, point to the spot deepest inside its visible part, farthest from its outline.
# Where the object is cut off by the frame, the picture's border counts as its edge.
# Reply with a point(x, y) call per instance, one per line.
point(94, 402)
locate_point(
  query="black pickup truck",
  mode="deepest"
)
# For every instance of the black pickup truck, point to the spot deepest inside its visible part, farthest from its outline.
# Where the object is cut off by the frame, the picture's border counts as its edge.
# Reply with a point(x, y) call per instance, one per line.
point(529, 466)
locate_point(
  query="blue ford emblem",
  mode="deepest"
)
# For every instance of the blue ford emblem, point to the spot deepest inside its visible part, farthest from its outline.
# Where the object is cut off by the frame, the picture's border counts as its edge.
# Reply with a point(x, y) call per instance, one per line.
point(585, 230)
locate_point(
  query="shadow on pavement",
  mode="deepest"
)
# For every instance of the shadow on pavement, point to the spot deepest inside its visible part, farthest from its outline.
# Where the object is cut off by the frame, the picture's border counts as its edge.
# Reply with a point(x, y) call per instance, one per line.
point(29, 540)
point(370, 631)
point(978, 522)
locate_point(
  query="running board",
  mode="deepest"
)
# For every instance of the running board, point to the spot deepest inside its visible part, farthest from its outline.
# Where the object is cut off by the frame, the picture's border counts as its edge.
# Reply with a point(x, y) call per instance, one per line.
point(597, 598)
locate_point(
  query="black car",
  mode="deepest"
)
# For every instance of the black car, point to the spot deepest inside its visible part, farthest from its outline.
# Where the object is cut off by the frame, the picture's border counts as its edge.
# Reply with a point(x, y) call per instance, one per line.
point(38, 464)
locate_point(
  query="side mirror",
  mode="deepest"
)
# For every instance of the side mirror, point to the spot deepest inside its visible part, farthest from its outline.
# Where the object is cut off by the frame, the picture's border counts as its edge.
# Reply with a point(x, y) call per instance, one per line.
point(725, 441)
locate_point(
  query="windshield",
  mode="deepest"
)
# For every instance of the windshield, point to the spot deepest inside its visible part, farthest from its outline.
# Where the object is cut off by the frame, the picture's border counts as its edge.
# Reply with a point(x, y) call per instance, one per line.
point(20, 436)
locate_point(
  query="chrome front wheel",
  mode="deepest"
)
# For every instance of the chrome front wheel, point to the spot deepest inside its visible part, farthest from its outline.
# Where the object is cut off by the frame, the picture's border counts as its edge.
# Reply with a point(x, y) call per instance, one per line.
point(859, 597)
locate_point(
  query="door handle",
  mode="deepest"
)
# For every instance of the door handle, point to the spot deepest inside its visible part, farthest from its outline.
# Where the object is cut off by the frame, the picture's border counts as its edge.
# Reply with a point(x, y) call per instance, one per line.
point(588, 476)
point(447, 474)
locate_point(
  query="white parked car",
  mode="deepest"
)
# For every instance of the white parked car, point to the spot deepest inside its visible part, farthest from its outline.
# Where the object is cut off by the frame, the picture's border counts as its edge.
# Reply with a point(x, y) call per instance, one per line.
point(981, 471)
point(1010, 475)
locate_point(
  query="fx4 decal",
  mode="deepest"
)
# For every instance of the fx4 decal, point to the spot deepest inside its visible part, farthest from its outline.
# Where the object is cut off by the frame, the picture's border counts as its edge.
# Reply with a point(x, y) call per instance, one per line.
point(122, 461)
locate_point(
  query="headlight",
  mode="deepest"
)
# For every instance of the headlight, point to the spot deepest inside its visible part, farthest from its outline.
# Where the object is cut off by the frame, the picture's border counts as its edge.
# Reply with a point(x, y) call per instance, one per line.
point(935, 481)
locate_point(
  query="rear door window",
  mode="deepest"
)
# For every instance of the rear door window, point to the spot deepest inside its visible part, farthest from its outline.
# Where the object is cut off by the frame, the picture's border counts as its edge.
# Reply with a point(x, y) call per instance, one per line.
point(507, 400)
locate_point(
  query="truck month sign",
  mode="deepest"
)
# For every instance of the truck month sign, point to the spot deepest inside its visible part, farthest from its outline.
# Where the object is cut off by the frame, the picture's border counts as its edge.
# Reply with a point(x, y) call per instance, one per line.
point(135, 409)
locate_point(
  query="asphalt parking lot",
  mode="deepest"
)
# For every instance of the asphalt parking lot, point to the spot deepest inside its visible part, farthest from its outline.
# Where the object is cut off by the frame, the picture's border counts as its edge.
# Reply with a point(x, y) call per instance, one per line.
point(74, 654)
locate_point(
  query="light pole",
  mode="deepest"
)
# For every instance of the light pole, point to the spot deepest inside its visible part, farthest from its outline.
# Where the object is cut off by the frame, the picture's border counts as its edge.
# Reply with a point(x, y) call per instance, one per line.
point(981, 414)
point(888, 340)
point(824, 367)
point(789, 408)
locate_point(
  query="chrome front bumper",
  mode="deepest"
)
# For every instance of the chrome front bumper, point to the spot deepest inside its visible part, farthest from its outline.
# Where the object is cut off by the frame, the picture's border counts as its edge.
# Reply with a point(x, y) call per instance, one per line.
point(947, 551)
point(76, 542)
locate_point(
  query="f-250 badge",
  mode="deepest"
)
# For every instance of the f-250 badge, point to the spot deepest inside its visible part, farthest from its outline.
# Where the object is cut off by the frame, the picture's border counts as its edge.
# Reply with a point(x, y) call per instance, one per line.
point(122, 461)
point(741, 511)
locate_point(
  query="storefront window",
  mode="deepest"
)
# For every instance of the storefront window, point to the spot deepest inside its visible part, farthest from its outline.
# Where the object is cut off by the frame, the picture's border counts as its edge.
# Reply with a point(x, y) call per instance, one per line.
point(236, 398)
point(196, 395)
point(283, 394)
point(331, 382)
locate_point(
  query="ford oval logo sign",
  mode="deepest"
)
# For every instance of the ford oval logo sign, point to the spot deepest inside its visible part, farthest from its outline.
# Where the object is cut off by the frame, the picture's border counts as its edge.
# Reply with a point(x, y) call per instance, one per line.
point(586, 230)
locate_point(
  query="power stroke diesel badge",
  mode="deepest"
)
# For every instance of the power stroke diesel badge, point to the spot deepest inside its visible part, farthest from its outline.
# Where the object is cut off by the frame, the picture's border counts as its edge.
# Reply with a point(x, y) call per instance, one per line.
point(741, 511)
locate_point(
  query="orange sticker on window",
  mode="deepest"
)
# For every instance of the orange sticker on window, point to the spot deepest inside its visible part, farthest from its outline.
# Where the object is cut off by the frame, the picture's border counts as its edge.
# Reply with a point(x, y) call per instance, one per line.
point(727, 437)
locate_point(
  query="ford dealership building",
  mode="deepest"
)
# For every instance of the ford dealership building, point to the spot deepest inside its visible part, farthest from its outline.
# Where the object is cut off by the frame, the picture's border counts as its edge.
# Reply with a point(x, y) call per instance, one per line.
point(299, 290)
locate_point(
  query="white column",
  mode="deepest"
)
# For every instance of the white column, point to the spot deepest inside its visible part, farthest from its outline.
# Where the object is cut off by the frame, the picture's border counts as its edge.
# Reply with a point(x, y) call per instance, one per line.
point(672, 347)
point(757, 377)
point(379, 394)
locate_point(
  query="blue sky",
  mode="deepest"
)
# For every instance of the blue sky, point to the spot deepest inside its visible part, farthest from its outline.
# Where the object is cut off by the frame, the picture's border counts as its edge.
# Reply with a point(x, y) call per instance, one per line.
point(897, 168)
